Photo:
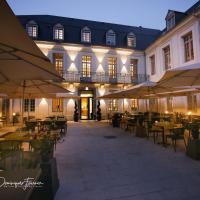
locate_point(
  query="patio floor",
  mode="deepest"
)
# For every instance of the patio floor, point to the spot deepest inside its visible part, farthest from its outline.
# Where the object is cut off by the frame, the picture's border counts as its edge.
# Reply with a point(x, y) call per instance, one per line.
point(91, 167)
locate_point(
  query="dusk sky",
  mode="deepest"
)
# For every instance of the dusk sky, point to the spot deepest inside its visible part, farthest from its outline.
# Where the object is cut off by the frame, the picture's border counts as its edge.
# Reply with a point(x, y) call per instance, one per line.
point(146, 13)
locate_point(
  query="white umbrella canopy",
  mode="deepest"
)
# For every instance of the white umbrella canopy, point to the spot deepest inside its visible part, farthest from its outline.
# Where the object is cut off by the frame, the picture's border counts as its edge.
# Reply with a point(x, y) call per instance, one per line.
point(31, 88)
point(181, 76)
point(20, 58)
point(140, 91)
point(178, 93)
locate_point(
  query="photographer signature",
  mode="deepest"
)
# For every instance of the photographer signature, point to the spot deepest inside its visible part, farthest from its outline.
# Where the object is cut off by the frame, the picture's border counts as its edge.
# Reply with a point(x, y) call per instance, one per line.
point(24, 184)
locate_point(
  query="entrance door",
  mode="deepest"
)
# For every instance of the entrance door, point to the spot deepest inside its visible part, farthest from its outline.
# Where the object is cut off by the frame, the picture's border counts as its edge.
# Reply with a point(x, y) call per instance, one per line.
point(84, 108)
point(86, 105)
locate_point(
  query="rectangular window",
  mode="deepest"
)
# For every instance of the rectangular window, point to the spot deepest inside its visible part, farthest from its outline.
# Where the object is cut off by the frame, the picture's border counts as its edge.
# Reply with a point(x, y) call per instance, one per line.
point(188, 47)
point(134, 70)
point(86, 36)
point(113, 105)
point(59, 34)
point(153, 65)
point(58, 62)
point(134, 104)
point(192, 103)
point(29, 105)
point(153, 105)
point(170, 104)
point(86, 66)
point(167, 59)
point(170, 22)
point(32, 31)
point(57, 105)
point(112, 67)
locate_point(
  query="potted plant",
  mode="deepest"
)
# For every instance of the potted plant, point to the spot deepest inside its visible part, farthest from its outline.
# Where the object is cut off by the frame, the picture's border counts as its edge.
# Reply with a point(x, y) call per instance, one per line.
point(193, 147)
point(98, 111)
point(76, 112)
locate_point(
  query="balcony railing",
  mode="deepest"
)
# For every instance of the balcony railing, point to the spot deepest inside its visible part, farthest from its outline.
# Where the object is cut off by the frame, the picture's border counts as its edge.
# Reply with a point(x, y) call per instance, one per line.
point(103, 77)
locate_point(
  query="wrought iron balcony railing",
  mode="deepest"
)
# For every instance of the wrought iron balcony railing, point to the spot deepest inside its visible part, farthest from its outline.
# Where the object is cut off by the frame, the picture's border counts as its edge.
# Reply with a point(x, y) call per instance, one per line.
point(102, 77)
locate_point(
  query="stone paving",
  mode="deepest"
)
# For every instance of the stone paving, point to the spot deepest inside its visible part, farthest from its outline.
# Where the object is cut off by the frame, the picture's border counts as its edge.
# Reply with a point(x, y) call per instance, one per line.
point(91, 167)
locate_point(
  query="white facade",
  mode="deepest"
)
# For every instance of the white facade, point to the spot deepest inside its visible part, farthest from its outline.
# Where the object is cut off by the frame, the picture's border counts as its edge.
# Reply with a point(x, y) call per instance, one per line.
point(174, 39)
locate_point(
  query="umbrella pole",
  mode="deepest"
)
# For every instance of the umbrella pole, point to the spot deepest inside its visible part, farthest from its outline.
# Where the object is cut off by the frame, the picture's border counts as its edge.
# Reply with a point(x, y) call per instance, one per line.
point(23, 91)
point(29, 106)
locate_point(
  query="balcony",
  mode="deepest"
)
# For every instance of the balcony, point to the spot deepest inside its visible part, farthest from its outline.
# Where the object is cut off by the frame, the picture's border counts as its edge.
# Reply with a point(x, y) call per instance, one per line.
point(103, 77)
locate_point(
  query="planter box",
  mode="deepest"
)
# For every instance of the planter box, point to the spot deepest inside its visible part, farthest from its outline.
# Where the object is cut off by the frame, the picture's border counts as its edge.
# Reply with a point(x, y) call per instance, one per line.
point(193, 149)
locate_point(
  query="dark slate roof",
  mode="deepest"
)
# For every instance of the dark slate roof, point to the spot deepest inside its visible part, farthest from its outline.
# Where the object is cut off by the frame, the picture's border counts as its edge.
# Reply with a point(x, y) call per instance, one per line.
point(72, 33)
point(180, 16)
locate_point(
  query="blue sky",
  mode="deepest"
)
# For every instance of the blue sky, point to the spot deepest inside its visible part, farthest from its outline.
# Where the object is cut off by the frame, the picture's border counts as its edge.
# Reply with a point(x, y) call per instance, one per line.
point(146, 13)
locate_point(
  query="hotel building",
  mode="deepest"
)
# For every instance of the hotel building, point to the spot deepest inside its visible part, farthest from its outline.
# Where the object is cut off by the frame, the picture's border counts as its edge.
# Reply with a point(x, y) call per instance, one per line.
point(95, 58)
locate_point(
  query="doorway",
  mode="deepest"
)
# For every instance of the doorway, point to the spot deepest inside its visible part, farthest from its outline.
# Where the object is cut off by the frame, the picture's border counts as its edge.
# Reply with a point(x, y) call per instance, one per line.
point(86, 105)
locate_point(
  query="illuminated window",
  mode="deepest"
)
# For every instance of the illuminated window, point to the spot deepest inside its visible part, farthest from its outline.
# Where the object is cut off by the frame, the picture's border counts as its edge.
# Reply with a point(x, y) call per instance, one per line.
point(29, 105)
point(134, 69)
point(188, 47)
point(131, 40)
point(153, 105)
point(167, 59)
point(32, 29)
point(112, 67)
point(153, 65)
point(58, 32)
point(192, 103)
point(58, 62)
point(110, 38)
point(86, 66)
point(170, 104)
point(86, 35)
point(134, 104)
point(57, 105)
point(113, 105)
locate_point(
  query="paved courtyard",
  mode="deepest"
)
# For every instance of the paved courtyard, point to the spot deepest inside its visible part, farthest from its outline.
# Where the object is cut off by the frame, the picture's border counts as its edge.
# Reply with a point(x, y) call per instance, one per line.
point(91, 167)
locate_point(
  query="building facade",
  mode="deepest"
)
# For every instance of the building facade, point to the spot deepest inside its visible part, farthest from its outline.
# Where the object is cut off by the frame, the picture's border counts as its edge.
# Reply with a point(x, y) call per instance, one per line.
point(177, 46)
point(95, 58)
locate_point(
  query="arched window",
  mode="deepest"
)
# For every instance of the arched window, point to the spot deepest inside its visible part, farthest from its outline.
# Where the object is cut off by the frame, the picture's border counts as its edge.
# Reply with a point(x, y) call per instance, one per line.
point(86, 35)
point(131, 40)
point(32, 29)
point(58, 32)
point(110, 38)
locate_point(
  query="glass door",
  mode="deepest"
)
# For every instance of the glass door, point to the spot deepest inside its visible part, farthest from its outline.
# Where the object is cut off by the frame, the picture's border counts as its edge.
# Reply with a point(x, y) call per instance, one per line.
point(84, 108)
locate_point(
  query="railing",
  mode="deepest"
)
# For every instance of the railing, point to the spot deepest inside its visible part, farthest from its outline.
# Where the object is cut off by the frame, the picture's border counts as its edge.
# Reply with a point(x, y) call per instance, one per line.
point(103, 77)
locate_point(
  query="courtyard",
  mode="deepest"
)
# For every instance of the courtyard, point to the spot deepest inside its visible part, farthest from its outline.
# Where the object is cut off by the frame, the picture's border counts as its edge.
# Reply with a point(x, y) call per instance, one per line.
point(92, 167)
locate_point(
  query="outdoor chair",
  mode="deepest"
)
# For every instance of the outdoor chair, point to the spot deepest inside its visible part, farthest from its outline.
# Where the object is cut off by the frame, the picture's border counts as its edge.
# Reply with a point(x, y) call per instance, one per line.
point(176, 134)
point(30, 125)
point(131, 124)
point(154, 131)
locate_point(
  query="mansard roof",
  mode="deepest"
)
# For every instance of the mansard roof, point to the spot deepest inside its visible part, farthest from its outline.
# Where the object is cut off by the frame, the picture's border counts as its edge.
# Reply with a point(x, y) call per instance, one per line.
point(72, 33)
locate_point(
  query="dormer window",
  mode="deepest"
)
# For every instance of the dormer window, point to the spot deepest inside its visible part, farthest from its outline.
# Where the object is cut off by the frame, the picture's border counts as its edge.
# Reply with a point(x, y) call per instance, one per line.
point(111, 38)
point(32, 29)
point(170, 20)
point(86, 35)
point(131, 40)
point(58, 32)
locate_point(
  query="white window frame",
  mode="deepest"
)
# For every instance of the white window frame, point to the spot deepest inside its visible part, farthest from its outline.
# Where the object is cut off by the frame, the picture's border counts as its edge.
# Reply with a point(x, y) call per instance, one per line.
point(86, 35)
point(110, 38)
point(32, 29)
point(131, 40)
point(58, 32)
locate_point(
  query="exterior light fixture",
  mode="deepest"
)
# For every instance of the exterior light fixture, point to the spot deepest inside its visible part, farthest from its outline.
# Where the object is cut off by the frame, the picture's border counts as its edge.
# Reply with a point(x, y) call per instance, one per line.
point(86, 88)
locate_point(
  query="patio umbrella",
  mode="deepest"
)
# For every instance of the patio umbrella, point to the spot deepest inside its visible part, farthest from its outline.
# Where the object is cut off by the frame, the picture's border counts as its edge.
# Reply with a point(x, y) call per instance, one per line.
point(32, 89)
point(181, 76)
point(20, 58)
point(140, 91)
